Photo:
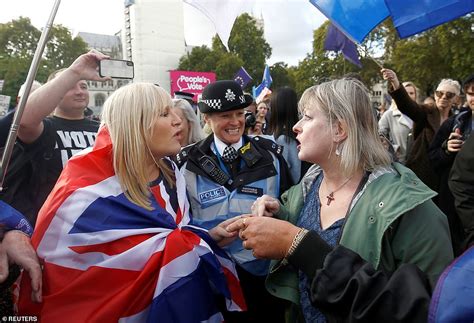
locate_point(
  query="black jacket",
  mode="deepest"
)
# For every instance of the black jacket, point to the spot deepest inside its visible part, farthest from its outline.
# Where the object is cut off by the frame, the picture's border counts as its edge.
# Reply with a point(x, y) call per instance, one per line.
point(346, 288)
point(426, 122)
point(258, 161)
point(461, 183)
point(442, 161)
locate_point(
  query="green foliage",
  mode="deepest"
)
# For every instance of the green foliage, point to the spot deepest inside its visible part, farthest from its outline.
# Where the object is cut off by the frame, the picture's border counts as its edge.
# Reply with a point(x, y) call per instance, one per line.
point(281, 75)
point(247, 47)
point(227, 65)
point(62, 49)
point(445, 51)
point(18, 38)
point(442, 52)
point(248, 43)
point(201, 59)
point(18, 42)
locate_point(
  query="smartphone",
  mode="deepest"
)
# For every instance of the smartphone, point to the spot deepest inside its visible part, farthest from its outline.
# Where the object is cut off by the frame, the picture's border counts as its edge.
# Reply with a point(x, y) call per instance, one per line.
point(116, 68)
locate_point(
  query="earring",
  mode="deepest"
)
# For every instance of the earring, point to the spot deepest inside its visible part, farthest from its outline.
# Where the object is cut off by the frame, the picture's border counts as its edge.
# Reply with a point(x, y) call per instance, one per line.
point(338, 149)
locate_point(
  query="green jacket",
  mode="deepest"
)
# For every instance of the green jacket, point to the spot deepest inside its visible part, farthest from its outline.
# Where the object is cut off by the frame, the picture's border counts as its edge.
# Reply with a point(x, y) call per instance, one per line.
point(392, 221)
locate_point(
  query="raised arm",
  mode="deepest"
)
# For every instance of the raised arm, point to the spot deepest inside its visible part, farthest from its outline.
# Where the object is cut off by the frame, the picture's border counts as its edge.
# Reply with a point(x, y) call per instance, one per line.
point(43, 101)
point(404, 103)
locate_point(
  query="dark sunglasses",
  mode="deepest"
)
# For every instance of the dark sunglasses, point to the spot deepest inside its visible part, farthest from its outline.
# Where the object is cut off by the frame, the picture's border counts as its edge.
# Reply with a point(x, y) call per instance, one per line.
point(449, 95)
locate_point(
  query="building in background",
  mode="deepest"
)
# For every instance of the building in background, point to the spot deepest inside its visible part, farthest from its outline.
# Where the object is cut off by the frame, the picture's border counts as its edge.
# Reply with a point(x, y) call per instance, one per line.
point(153, 38)
point(377, 93)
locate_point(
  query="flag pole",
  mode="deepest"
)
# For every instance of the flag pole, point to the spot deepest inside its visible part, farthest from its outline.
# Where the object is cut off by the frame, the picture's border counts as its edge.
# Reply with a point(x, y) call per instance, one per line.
point(29, 81)
point(370, 56)
point(356, 42)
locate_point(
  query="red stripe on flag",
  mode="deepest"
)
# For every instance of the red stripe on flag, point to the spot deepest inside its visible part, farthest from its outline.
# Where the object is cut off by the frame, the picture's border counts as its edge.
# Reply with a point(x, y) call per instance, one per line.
point(179, 216)
point(178, 243)
point(113, 247)
point(95, 295)
point(235, 289)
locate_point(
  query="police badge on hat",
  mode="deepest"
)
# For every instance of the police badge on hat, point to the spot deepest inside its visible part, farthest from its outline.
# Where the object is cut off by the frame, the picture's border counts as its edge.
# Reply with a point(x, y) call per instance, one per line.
point(223, 96)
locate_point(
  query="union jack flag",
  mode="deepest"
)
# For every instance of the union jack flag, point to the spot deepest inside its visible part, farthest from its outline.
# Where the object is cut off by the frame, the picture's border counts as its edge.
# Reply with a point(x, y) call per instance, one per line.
point(109, 260)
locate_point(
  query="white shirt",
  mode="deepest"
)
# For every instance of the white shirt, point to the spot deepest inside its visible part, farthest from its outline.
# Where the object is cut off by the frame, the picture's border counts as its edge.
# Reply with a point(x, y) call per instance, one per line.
point(220, 146)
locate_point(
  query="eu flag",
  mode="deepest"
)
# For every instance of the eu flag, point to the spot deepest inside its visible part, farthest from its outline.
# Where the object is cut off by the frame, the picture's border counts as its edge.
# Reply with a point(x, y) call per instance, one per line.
point(412, 17)
point(242, 77)
point(356, 18)
point(337, 41)
point(266, 82)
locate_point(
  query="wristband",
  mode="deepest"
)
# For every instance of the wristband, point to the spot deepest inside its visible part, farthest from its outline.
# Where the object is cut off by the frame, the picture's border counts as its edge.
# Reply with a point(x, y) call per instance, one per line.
point(11, 219)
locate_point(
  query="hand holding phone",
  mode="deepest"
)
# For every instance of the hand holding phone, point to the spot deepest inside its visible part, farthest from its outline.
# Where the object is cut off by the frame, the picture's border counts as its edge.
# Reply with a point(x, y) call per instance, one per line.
point(116, 68)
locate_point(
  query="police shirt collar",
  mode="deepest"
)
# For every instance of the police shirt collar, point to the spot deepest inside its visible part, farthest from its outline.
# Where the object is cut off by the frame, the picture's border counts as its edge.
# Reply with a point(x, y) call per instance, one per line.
point(220, 146)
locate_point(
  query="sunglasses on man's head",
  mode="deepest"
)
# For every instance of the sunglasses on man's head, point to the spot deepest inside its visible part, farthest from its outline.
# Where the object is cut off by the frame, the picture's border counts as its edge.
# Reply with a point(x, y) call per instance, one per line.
point(449, 95)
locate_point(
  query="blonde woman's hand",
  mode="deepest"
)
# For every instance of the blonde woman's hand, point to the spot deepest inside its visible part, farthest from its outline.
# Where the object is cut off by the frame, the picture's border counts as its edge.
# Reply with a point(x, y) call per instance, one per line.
point(220, 235)
point(391, 76)
point(265, 206)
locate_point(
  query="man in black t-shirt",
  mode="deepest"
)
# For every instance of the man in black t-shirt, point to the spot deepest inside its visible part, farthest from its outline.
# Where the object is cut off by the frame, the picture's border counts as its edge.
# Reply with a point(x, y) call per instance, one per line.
point(54, 119)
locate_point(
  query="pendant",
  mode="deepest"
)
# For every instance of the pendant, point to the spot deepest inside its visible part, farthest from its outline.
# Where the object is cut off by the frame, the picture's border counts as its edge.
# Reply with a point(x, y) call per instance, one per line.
point(330, 198)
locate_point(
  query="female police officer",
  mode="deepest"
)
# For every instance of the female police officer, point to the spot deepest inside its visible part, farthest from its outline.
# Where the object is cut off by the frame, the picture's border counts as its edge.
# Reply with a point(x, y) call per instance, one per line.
point(225, 173)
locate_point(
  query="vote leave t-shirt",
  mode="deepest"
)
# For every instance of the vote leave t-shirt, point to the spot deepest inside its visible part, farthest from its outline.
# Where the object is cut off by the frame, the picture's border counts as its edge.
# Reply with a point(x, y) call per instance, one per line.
point(61, 139)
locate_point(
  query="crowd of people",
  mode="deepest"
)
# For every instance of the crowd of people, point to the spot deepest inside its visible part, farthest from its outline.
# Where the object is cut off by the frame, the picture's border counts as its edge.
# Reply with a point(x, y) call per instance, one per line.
point(285, 210)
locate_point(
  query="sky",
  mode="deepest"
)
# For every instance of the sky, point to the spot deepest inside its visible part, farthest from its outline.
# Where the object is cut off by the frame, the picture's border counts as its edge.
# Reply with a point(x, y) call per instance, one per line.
point(289, 24)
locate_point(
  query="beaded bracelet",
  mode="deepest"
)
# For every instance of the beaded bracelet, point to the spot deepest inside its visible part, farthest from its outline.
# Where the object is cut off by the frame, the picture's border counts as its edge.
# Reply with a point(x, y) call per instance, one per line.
point(296, 241)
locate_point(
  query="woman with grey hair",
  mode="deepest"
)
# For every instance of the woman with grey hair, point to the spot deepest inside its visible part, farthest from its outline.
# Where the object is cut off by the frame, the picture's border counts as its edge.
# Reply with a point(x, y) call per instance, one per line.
point(190, 129)
point(426, 121)
point(353, 218)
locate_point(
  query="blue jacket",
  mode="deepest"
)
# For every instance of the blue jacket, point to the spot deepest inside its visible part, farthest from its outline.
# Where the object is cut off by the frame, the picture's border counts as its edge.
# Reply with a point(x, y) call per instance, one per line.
point(262, 171)
point(453, 298)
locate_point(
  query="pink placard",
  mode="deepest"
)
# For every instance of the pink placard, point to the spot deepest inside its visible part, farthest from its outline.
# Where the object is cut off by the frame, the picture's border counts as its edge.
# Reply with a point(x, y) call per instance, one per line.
point(191, 82)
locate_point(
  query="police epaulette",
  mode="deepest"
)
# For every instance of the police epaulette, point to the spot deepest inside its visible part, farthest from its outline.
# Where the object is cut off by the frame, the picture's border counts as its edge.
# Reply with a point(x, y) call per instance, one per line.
point(183, 155)
point(268, 144)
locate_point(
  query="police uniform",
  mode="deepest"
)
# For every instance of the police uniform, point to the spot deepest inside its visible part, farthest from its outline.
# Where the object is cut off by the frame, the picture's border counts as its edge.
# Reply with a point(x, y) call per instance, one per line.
point(218, 191)
point(215, 194)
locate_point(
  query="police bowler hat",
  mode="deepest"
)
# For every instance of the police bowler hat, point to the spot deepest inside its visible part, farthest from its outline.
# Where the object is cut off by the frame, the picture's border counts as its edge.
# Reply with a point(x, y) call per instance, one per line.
point(223, 96)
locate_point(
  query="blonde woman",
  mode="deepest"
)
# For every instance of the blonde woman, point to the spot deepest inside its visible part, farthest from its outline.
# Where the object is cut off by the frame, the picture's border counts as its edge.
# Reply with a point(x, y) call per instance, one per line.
point(114, 234)
point(395, 125)
point(353, 218)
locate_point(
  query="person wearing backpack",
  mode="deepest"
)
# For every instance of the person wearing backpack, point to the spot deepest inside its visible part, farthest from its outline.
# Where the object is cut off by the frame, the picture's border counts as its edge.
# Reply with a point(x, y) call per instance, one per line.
point(52, 130)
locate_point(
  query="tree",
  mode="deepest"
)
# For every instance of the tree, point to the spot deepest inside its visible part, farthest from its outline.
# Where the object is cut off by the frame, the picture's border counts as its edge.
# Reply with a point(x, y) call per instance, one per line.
point(248, 43)
point(281, 75)
point(62, 49)
point(441, 52)
point(201, 59)
point(18, 42)
point(426, 58)
point(247, 46)
point(18, 38)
